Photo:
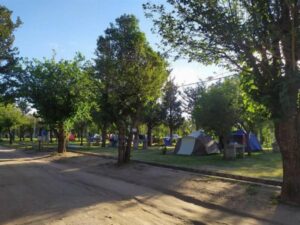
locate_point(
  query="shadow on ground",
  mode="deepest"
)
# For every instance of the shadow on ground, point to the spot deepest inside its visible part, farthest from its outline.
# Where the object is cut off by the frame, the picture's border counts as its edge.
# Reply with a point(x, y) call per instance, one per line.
point(39, 188)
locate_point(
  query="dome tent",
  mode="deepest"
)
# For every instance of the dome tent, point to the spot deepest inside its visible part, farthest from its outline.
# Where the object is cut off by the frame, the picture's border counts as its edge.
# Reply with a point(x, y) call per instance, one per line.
point(252, 142)
point(197, 143)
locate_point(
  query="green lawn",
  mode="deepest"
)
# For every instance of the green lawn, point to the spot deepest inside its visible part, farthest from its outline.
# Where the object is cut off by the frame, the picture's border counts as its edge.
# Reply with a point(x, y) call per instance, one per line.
point(261, 164)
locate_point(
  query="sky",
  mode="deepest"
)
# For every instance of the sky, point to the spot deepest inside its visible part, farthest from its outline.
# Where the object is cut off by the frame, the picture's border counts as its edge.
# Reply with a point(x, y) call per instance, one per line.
point(69, 26)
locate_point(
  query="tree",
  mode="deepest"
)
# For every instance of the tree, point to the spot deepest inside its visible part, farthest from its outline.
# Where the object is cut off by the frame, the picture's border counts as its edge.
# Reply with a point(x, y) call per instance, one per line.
point(55, 90)
point(171, 107)
point(259, 39)
point(29, 126)
point(8, 53)
point(24, 107)
point(218, 109)
point(11, 118)
point(253, 115)
point(131, 75)
point(82, 117)
point(102, 112)
point(190, 96)
point(152, 117)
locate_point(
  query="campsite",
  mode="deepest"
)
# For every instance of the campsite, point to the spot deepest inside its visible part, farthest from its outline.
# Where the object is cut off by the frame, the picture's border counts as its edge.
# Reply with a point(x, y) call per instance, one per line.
point(150, 112)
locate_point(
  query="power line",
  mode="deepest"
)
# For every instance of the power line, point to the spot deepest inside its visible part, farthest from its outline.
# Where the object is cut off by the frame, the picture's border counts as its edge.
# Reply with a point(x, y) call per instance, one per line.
point(209, 79)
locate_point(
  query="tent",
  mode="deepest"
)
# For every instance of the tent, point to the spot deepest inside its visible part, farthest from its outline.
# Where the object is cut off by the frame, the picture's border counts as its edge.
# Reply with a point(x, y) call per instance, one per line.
point(197, 143)
point(252, 142)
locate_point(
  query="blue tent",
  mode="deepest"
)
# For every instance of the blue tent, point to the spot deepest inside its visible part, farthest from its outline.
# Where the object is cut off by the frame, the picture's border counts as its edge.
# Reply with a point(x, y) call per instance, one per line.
point(252, 142)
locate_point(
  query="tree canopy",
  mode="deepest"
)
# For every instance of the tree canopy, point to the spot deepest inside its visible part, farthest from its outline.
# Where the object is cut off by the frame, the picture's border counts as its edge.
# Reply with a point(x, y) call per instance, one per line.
point(259, 39)
point(11, 118)
point(8, 53)
point(56, 90)
point(171, 107)
point(130, 72)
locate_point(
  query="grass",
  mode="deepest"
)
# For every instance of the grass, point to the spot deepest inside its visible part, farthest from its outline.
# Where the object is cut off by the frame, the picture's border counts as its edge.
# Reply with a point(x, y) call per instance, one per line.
point(261, 164)
point(264, 164)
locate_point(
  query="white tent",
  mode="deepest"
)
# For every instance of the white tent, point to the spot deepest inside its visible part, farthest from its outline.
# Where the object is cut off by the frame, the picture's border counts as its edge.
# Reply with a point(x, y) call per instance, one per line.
point(197, 143)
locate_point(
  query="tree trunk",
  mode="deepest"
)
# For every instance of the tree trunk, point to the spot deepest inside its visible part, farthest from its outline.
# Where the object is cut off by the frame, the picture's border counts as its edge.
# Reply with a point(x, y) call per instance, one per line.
point(128, 147)
point(51, 135)
point(136, 139)
point(171, 135)
point(104, 134)
point(10, 134)
point(20, 134)
point(149, 136)
point(287, 133)
point(81, 136)
point(225, 145)
point(61, 136)
point(121, 146)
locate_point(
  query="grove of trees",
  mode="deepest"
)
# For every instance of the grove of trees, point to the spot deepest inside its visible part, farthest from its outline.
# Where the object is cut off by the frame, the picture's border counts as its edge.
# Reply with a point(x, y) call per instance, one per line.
point(127, 85)
point(258, 39)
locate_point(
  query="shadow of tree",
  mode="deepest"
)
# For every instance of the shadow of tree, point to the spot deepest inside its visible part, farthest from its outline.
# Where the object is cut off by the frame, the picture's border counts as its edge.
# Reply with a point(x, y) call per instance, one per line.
point(41, 190)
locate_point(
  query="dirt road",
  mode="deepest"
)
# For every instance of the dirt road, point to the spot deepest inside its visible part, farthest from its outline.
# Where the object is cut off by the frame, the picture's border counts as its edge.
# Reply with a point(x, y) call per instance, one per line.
point(41, 188)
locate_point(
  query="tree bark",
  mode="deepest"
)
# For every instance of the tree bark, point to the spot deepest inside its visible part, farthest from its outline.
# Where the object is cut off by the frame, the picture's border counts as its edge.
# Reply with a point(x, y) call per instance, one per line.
point(149, 136)
point(10, 134)
point(121, 145)
point(51, 135)
point(61, 136)
point(128, 147)
point(287, 133)
point(136, 139)
point(81, 136)
point(104, 134)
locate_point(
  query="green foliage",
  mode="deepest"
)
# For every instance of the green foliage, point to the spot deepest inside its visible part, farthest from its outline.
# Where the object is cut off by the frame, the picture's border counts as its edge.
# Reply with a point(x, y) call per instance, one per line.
point(129, 75)
point(152, 114)
point(190, 96)
point(57, 90)
point(258, 38)
point(8, 53)
point(253, 114)
point(171, 106)
point(129, 72)
point(217, 110)
point(11, 117)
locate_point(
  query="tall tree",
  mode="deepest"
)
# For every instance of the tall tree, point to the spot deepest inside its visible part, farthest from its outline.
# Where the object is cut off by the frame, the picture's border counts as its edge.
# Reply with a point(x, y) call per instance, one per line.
point(152, 117)
point(8, 53)
point(190, 95)
point(258, 38)
point(55, 90)
point(171, 107)
point(131, 74)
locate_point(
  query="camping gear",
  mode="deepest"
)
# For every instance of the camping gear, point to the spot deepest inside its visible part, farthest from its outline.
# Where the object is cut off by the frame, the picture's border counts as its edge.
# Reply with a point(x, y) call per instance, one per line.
point(71, 137)
point(167, 142)
point(251, 141)
point(197, 143)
